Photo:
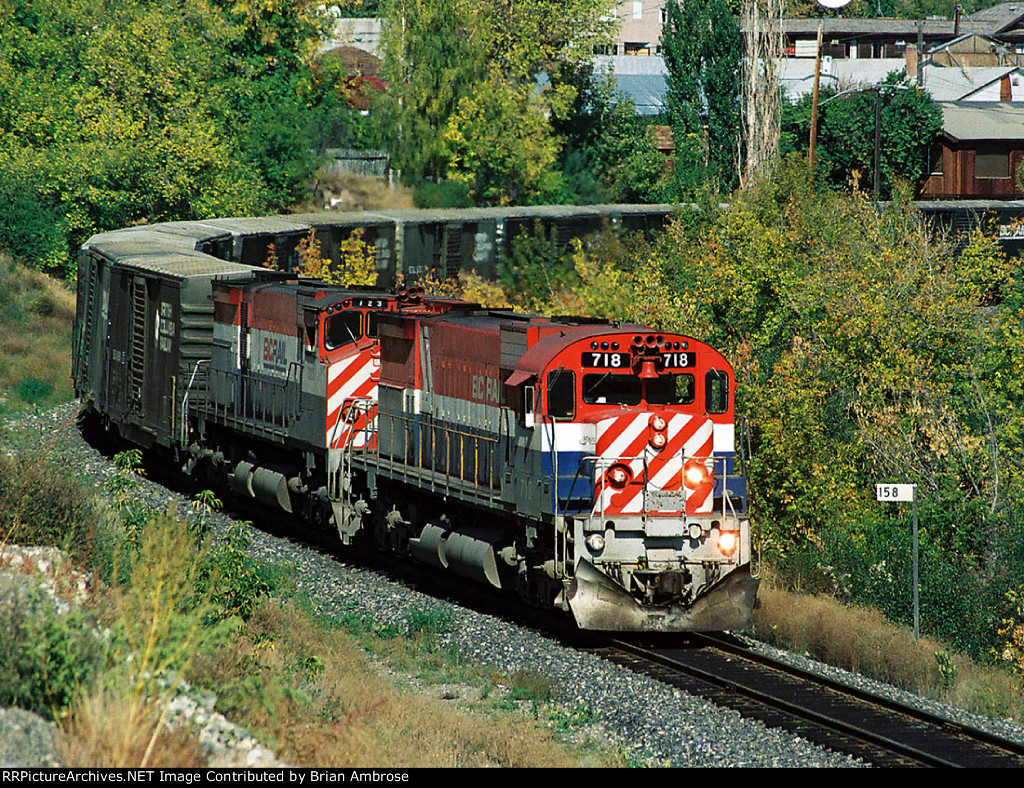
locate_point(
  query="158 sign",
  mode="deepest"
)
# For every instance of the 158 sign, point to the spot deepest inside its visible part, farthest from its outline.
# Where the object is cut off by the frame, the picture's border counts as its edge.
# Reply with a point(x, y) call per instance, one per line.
point(894, 492)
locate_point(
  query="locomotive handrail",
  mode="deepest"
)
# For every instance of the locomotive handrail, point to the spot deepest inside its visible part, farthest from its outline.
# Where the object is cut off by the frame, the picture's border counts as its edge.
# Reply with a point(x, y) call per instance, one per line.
point(350, 415)
point(607, 462)
point(544, 419)
point(355, 405)
point(452, 472)
point(267, 398)
point(579, 468)
point(184, 400)
point(561, 558)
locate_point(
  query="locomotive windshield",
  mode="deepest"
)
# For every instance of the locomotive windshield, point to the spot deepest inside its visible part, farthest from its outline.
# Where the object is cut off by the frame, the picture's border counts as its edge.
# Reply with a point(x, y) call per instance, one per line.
point(341, 328)
point(606, 388)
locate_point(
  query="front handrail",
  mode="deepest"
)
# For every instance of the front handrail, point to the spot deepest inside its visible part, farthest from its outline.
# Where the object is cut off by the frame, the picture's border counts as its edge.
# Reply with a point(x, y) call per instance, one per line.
point(184, 400)
point(603, 463)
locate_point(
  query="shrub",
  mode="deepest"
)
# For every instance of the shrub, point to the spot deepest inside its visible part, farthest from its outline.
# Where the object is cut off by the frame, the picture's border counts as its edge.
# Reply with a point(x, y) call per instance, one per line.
point(446, 194)
point(234, 581)
point(530, 685)
point(33, 391)
point(41, 505)
point(429, 620)
point(46, 658)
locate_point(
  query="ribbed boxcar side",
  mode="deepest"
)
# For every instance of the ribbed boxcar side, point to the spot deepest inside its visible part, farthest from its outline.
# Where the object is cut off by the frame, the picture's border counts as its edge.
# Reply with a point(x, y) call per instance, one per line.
point(145, 324)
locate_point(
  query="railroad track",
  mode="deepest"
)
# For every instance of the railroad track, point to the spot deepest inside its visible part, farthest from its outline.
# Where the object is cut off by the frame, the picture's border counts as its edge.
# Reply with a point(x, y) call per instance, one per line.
point(833, 715)
point(877, 730)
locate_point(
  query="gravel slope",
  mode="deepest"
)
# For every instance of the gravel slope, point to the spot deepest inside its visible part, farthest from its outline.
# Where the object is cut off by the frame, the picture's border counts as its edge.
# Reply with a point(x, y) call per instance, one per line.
point(659, 722)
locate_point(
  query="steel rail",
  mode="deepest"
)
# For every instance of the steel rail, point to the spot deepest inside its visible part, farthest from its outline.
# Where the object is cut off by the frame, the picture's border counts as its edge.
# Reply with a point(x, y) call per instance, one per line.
point(745, 652)
point(861, 742)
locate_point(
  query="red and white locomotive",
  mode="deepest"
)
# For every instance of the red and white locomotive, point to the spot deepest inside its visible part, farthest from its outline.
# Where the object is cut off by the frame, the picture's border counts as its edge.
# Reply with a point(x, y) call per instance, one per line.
point(583, 464)
point(587, 465)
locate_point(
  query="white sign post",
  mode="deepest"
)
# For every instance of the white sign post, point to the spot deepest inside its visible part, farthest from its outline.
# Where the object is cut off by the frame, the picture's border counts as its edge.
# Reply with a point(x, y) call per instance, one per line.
point(904, 492)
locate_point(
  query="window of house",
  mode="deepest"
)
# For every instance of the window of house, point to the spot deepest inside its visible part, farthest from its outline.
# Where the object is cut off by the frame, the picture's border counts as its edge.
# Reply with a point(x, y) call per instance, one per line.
point(638, 9)
point(935, 158)
point(992, 163)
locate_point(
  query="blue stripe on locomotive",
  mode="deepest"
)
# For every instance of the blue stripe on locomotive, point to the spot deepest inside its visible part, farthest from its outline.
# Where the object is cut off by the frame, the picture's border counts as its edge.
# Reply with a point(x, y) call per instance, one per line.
point(574, 492)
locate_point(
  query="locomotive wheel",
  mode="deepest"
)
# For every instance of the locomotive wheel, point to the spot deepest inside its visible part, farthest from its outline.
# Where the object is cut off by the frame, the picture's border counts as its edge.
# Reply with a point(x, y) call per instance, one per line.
point(320, 514)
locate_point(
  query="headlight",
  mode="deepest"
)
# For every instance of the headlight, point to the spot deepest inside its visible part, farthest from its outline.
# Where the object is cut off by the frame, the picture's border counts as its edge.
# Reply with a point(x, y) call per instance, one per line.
point(728, 541)
point(595, 543)
point(657, 438)
point(619, 475)
point(695, 473)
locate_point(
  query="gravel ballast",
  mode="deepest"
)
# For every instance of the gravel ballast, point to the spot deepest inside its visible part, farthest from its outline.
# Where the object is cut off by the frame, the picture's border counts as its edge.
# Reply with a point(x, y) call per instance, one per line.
point(656, 723)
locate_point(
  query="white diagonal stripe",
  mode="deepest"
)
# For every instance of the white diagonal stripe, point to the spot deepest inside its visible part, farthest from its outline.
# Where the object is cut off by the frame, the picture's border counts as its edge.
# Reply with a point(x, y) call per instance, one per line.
point(619, 445)
point(349, 388)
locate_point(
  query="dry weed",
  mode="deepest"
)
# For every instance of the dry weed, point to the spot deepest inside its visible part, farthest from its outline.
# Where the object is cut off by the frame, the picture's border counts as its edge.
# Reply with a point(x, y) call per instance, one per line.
point(107, 729)
point(854, 638)
point(343, 192)
point(347, 714)
point(863, 641)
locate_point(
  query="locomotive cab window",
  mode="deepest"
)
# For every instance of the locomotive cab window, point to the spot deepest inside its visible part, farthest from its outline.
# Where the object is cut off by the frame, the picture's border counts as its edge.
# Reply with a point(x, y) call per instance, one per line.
point(716, 391)
point(561, 394)
point(341, 328)
point(671, 390)
point(373, 324)
point(605, 388)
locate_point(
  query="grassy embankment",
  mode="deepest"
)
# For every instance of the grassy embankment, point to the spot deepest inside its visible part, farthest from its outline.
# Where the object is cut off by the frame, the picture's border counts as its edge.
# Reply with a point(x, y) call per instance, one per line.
point(35, 339)
point(310, 687)
point(178, 604)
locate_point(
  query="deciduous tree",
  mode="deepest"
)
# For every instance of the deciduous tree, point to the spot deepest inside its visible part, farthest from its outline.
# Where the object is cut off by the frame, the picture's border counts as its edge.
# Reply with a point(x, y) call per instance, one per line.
point(459, 66)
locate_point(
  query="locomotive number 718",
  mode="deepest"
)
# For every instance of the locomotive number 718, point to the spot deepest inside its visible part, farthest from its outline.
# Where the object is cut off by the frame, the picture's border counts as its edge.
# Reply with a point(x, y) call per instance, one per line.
point(605, 360)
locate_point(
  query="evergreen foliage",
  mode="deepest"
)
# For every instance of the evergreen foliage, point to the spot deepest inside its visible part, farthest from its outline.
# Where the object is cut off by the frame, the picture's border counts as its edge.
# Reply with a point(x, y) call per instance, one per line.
point(431, 59)
point(477, 88)
point(607, 154)
point(703, 50)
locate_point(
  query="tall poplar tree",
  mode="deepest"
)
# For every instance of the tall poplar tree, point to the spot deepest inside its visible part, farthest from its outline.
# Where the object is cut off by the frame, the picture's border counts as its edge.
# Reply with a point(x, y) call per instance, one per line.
point(432, 57)
point(476, 84)
point(703, 50)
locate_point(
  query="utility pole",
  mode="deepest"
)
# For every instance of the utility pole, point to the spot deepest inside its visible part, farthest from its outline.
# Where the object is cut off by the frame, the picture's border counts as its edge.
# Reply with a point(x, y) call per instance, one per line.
point(814, 99)
point(878, 141)
point(834, 5)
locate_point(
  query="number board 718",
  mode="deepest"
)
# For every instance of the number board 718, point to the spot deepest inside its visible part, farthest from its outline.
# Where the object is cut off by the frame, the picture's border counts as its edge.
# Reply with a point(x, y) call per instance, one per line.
point(593, 359)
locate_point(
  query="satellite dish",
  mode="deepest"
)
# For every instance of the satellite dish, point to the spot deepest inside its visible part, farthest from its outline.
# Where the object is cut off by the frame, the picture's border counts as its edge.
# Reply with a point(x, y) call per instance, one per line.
point(833, 4)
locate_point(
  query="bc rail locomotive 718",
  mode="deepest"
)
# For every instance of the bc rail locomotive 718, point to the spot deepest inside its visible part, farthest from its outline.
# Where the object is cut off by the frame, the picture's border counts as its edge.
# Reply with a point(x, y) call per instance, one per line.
point(585, 465)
